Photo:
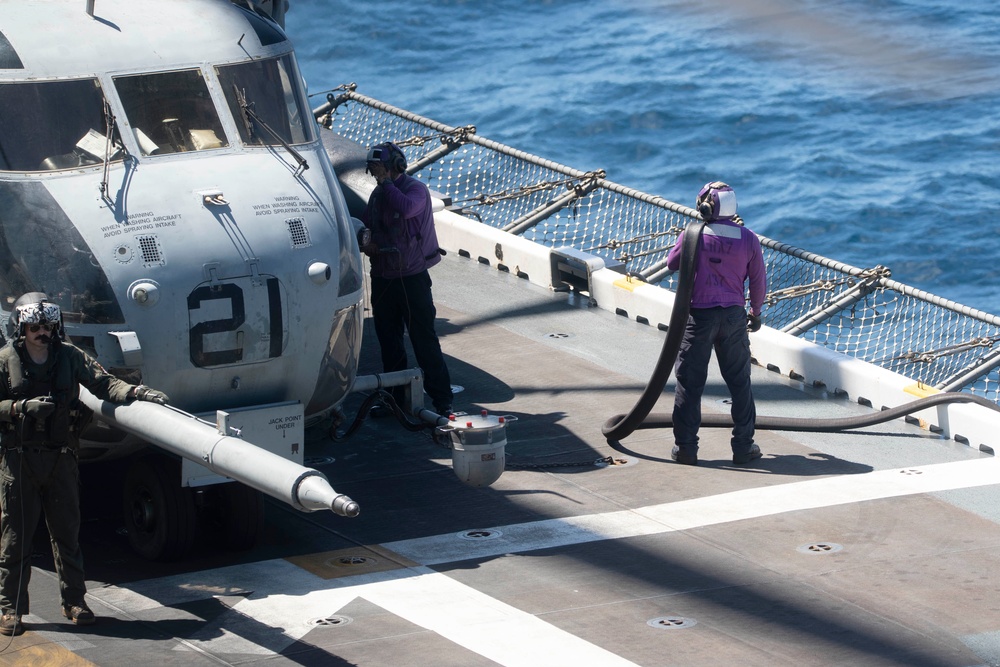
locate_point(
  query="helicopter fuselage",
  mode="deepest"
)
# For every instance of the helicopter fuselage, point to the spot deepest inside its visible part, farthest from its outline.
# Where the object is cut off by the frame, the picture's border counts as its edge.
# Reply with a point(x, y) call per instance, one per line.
point(162, 180)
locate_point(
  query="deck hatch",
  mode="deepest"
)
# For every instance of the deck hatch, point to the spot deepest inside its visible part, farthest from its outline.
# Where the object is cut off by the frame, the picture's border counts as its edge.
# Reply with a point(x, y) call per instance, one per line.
point(481, 534)
point(671, 622)
point(334, 621)
point(820, 548)
point(351, 561)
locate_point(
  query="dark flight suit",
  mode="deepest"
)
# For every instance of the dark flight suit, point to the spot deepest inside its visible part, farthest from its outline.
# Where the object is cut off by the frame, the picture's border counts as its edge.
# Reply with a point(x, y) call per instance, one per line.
point(38, 470)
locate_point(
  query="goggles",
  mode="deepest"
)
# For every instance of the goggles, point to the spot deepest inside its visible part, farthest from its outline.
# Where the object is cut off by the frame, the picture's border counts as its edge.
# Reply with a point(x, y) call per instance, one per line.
point(39, 313)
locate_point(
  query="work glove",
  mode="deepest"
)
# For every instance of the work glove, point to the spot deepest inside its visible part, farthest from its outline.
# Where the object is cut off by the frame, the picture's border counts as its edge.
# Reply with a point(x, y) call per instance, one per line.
point(38, 408)
point(370, 249)
point(753, 323)
point(144, 393)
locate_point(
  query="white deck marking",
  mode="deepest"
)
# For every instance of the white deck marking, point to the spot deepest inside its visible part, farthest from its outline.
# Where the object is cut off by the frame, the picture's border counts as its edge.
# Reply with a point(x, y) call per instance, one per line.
point(281, 598)
point(284, 600)
point(710, 510)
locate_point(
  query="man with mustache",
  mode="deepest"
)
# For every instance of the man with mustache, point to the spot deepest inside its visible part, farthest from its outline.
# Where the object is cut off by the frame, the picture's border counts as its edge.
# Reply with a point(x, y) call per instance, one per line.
point(40, 416)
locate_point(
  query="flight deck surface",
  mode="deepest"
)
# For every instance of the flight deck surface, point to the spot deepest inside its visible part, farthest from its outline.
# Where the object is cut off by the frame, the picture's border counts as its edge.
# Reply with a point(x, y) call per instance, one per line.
point(875, 547)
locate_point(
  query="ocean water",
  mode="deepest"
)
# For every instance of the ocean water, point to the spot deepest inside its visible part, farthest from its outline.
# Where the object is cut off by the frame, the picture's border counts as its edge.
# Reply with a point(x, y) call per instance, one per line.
point(867, 131)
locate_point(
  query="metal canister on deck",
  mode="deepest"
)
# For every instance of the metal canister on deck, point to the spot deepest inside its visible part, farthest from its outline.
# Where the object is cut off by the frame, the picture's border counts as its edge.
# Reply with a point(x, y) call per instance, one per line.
point(478, 443)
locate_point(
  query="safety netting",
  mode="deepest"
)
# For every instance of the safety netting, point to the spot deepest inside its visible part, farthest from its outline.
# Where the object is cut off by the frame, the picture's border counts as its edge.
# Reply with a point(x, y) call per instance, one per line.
point(860, 312)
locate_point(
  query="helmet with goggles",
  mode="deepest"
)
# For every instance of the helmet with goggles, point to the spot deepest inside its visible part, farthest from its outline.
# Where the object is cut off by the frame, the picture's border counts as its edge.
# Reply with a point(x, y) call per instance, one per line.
point(35, 310)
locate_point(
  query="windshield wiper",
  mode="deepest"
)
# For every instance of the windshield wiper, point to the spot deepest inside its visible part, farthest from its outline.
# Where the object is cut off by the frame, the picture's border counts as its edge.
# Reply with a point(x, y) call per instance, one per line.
point(250, 117)
point(109, 128)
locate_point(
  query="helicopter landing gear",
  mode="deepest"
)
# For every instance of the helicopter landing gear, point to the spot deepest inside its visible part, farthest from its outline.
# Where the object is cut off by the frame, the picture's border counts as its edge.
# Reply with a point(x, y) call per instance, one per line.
point(232, 515)
point(160, 514)
point(164, 519)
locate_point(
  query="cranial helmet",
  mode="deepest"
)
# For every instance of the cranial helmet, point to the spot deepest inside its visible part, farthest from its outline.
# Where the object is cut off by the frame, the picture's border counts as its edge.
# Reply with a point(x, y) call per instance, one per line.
point(34, 308)
point(390, 155)
point(716, 200)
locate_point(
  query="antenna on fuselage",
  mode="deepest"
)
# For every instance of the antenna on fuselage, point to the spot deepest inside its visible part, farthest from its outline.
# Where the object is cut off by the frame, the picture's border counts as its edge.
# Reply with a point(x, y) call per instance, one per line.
point(90, 7)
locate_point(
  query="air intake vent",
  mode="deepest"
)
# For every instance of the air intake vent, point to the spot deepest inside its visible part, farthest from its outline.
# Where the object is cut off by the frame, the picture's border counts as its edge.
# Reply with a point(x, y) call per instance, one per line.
point(149, 248)
point(298, 232)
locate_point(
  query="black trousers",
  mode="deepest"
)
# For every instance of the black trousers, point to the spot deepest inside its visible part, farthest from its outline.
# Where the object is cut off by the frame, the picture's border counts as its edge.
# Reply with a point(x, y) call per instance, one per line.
point(725, 331)
point(405, 305)
point(33, 482)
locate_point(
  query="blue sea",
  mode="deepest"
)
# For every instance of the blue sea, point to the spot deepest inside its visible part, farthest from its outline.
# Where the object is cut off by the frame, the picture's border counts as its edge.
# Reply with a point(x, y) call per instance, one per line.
point(867, 131)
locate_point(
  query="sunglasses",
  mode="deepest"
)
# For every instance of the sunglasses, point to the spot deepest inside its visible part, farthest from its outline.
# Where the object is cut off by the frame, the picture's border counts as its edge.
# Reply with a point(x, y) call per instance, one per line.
point(35, 327)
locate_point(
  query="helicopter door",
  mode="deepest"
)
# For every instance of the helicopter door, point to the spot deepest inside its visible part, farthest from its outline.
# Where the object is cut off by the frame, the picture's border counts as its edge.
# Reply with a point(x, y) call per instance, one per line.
point(237, 321)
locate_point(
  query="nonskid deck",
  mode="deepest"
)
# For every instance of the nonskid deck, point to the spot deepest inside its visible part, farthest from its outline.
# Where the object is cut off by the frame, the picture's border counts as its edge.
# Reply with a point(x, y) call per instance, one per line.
point(870, 548)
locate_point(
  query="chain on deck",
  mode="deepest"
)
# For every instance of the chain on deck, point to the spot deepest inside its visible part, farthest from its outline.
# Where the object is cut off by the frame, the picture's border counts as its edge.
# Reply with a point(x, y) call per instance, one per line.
point(862, 313)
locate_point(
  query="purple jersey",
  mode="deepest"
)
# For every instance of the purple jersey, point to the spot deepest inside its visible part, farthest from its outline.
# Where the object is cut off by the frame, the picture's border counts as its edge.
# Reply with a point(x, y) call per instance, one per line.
point(729, 255)
point(401, 217)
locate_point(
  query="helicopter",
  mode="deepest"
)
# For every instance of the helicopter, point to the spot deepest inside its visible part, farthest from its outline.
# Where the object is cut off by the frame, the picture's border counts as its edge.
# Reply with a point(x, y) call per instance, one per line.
point(162, 181)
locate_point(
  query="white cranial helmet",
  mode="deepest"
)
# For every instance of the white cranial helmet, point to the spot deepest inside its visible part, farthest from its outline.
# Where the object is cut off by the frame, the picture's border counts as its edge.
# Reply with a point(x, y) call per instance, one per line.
point(716, 200)
point(34, 308)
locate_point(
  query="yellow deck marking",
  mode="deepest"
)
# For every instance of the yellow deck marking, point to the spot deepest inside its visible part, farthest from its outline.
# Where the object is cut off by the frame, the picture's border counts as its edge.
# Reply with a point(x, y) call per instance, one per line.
point(349, 562)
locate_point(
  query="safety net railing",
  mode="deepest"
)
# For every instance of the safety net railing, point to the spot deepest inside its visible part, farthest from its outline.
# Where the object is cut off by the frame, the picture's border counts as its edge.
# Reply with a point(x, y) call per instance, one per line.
point(861, 313)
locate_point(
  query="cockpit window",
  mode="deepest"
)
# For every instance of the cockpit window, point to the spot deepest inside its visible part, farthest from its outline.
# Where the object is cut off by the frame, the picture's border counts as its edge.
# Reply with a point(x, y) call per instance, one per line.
point(171, 112)
point(267, 30)
point(41, 250)
point(8, 56)
point(50, 125)
point(272, 90)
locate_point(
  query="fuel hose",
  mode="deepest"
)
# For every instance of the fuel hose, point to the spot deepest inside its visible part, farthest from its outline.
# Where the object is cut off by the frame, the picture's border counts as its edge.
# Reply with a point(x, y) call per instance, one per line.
point(622, 426)
point(619, 427)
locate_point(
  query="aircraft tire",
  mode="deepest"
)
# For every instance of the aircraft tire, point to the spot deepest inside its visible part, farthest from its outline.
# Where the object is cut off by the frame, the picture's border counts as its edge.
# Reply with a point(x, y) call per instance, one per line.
point(159, 513)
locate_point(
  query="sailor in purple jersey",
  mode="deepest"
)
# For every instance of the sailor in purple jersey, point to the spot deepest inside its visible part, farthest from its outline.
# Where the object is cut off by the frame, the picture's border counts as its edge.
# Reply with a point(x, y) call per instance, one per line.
point(729, 256)
point(403, 247)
